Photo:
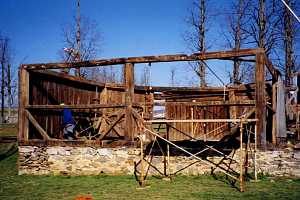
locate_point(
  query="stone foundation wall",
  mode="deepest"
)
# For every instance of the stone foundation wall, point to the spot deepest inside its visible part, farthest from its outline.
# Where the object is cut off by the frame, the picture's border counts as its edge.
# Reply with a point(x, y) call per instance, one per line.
point(121, 161)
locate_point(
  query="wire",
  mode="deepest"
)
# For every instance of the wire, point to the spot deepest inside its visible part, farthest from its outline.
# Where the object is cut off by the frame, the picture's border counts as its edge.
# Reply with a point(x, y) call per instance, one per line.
point(213, 73)
point(291, 10)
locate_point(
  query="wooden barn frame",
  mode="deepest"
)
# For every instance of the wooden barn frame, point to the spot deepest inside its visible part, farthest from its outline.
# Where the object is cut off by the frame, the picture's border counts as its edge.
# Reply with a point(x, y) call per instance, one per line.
point(131, 110)
point(260, 102)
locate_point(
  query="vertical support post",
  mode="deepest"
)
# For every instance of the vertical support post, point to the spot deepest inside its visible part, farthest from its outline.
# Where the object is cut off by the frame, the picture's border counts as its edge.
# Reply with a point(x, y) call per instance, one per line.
point(103, 96)
point(129, 95)
point(142, 180)
point(260, 106)
point(274, 107)
point(232, 109)
point(297, 124)
point(168, 160)
point(23, 102)
point(165, 162)
point(103, 99)
point(246, 158)
point(168, 152)
point(192, 118)
point(204, 126)
point(241, 159)
point(255, 152)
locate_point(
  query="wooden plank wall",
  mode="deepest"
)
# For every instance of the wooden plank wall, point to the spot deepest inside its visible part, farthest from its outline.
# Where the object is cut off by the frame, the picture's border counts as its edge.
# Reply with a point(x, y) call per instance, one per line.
point(49, 90)
point(205, 131)
point(45, 89)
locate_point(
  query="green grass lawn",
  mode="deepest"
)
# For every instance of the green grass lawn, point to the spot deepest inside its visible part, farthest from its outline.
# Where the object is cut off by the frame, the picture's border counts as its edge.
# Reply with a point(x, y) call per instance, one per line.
point(8, 130)
point(13, 186)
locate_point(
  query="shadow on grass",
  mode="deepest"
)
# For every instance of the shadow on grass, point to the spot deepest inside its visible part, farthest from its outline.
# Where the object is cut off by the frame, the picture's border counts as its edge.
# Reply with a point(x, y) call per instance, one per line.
point(225, 179)
point(9, 151)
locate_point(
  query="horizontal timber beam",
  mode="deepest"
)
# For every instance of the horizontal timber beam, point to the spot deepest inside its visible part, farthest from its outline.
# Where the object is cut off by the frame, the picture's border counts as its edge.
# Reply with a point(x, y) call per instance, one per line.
point(99, 106)
point(65, 76)
point(78, 106)
point(78, 143)
point(210, 103)
point(199, 120)
point(81, 80)
point(148, 59)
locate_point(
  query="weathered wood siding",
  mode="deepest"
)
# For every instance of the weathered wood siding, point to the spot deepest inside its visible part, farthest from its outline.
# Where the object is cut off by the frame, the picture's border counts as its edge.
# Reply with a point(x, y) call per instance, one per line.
point(51, 89)
point(205, 131)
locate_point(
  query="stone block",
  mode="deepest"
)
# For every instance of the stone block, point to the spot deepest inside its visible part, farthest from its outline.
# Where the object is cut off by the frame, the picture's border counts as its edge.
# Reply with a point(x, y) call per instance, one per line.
point(52, 151)
point(297, 155)
point(61, 151)
point(93, 161)
point(134, 151)
point(105, 152)
point(91, 151)
point(26, 149)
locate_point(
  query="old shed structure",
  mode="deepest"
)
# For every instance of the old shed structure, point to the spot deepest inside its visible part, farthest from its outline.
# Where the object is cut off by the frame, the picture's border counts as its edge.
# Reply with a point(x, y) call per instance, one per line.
point(111, 117)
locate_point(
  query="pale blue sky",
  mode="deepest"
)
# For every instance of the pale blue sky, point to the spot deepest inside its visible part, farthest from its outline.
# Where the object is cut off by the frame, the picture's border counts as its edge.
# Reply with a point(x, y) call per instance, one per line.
point(129, 28)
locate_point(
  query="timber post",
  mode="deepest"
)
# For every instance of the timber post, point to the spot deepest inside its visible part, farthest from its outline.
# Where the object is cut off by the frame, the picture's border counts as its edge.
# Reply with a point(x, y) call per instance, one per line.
point(23, 102)
point(142, 179)
point(260, 106)
point(242, 184)
point(129, 96)
point(274, 107)
point(255, 153)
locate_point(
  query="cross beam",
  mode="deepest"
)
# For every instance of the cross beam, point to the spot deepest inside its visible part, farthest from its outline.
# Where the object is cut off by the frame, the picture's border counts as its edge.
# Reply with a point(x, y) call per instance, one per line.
point(148, 59)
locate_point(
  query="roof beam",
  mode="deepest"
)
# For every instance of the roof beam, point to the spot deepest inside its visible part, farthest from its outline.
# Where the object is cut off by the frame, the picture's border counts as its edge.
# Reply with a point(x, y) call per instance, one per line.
point(148, 59)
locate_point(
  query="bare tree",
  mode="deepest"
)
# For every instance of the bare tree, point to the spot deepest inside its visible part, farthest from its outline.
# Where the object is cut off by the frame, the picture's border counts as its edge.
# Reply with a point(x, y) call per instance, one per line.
point(202, 41)
point(81, 39)
point(288, 44)
point(145, 76)
point(264, 26)
point(89, 42)
point(196, 39)
point(9, 88)
point(290, 34)
point(237, 37)
point(6, 76)
point(3, 49)
point(269, 25)
point(173, 73)
point(78, 37)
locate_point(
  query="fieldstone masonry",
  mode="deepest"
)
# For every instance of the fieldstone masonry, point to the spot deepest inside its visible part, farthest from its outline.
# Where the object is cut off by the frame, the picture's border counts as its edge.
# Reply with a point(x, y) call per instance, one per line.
point(121, 161)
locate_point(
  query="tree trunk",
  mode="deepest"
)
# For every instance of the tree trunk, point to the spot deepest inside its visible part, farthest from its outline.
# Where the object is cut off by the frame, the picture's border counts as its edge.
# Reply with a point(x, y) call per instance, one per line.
point(9, 94)
point(288, 43)
point(3, 60)
point(262, 23)
point(2, 88)
point(202, 42)
point(78, 57)
point(237, 42)
point(173, 70)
